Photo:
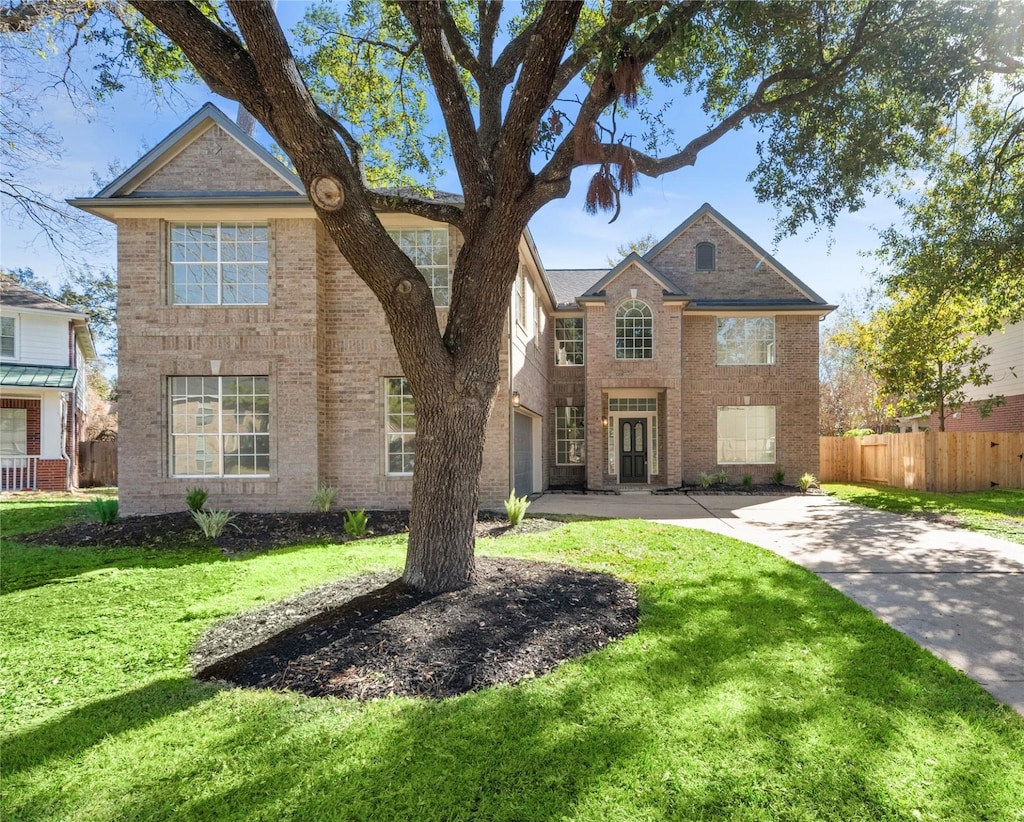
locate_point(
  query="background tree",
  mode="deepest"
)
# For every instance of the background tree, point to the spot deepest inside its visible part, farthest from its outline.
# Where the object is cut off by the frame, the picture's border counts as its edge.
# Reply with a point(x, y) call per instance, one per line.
point(924, 354)
point(842, 92)
point(964, 236)
point(641, 245)
point(848, 392)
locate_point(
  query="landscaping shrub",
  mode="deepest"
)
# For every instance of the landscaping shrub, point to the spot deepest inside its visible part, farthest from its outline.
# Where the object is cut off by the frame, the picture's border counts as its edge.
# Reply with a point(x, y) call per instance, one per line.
point(515, 508)
point(213, 523)
point(355, 523)
point(748, 481)
point(778, 477)
point(808, 481)
point(105, 510)
point(196, 498)
point(322, 497)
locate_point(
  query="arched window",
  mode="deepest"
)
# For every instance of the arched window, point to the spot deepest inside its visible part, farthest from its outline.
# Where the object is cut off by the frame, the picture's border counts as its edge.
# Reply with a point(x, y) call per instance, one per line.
point(634, 331)
point(705, 257)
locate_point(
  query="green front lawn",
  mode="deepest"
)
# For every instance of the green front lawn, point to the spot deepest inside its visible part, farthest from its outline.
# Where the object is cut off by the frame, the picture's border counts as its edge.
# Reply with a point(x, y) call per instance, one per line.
point(999, 513)
point(752, 691)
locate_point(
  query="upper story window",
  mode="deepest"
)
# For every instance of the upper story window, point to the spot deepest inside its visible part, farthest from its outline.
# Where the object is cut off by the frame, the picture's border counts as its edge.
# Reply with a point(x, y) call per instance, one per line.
point(428, 250)
point(568, 341)
point(8, 337)
point(399, 426)
point(634, 331)
point(219, 264)
point(705, 255)
point(746, 340)
point(220, 426)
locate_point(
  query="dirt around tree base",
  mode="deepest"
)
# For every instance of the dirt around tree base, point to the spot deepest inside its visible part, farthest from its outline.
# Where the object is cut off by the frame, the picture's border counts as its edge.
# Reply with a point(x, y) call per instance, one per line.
point(366, 638)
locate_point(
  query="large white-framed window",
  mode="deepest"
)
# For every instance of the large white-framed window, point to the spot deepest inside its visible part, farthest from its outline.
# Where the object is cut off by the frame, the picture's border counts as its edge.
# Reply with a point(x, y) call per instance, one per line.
point(570, 436)
point(704, 257)
point(220, 426)
point(8, 337)
point(745, 340)
point(428, 250)
point(219, 263)
point(568, 341)
point(746, 434)
point(399, 426)
point(634, 331)
point(13, 432)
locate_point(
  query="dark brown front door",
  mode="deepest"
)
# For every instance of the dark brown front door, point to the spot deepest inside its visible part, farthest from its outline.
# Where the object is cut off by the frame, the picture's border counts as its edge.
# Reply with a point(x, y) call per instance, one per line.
point(633, 450)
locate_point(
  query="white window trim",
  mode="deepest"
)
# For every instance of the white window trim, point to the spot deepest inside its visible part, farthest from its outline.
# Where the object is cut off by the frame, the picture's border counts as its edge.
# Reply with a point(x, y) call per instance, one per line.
point(21, 427)
point(582, 343)
point(559, 411)
point(747, 409)
point(13, 337)
point(387, 451)
point(219, 262)
point(769, 346)
point(650, 311)
point(220, 434)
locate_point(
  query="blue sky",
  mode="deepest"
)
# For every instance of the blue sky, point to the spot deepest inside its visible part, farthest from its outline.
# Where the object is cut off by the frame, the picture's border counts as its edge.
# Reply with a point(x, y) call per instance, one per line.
point(120, 130)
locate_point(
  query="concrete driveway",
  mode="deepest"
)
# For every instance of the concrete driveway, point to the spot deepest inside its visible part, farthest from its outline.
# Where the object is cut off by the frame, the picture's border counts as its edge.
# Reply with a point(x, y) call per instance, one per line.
point(958, 593)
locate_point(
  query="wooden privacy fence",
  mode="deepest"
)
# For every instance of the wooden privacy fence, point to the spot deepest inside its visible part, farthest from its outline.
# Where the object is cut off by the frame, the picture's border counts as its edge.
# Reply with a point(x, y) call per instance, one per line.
point(927, 461)
point(97, 463)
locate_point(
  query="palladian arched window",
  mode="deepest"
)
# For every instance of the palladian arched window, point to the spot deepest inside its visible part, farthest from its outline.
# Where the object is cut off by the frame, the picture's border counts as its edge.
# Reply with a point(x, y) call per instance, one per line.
point(634, 331)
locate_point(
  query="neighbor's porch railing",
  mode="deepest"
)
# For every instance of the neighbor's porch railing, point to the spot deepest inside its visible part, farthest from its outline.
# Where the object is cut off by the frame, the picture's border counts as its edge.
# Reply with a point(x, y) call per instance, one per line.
point(18, 473)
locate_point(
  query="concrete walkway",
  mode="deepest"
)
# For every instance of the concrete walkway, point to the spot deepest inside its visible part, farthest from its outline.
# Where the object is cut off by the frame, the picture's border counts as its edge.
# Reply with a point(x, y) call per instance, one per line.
point(958, 593)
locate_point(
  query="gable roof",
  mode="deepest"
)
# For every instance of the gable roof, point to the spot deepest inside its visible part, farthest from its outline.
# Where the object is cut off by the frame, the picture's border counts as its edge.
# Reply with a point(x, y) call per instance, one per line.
point(707, 209)
point(183, 136)
point(669, 288)
point(14, 295)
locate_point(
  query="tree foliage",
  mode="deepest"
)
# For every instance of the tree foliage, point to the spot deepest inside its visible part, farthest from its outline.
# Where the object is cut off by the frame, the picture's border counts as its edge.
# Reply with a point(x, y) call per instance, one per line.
point(923, 354)
point(640, 245)
point(965, 234)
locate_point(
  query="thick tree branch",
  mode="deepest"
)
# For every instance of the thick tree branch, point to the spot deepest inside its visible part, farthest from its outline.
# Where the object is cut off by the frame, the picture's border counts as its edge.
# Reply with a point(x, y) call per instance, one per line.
point(457, 43)
point(216, 54)
point(489, 15)
point(426, 21)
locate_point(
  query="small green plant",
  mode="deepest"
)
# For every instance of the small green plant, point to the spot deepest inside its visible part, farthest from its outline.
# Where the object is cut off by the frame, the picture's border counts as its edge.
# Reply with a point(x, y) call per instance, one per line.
point(748, 481)
point(195, 498)
point(213, 523)
point(355, 523)
point(858, 432)
point(322, 497)
point(721, 478)
point(515, 508)
point(105, 510)
point(779, 477)
point(706, 479)
point(808, 481)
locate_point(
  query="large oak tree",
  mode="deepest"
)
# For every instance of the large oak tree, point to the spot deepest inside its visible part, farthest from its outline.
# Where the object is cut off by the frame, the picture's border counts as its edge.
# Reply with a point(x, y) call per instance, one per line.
point(841, 93)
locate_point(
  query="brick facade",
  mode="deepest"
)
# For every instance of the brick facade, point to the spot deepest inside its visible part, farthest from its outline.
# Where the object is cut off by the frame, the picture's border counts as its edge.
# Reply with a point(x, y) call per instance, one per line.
point(1005, 418)
point(324, 345)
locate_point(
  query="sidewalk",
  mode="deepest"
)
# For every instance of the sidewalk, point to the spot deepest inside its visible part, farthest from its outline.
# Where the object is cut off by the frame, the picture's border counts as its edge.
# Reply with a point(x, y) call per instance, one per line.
point(958, 593)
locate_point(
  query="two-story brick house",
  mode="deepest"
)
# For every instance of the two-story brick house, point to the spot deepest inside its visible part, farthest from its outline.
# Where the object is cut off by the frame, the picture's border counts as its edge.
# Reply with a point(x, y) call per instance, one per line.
point(44, 346)
point(253, 362)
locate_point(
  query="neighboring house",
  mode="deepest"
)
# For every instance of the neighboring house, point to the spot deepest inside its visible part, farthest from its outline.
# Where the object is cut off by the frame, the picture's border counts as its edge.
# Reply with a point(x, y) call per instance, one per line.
point(44, 347)
point(254, 363)
point(1006, 367)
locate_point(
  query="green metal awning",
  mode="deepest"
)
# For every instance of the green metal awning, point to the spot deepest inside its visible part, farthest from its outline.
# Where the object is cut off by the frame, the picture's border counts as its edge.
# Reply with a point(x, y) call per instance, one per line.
point(37, 376)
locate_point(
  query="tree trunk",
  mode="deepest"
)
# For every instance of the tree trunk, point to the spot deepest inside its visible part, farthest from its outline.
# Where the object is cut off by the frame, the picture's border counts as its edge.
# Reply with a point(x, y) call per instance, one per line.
point(446, 492)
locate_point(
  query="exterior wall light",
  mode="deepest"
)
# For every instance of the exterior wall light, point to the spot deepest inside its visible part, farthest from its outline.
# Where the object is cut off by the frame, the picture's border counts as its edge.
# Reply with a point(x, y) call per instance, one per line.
point(516, 399)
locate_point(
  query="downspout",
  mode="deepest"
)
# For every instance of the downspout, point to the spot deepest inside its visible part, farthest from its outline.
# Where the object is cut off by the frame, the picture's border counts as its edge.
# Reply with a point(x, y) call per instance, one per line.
point(511, 411)
point(64, 440)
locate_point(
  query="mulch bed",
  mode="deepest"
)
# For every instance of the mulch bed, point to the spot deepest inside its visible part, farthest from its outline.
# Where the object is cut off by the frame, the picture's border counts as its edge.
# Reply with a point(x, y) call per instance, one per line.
point(374, 637)
point(366, 640)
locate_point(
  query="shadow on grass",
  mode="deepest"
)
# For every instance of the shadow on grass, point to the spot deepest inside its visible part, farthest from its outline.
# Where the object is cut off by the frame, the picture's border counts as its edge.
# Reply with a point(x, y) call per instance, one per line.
point(762, 697)
point(80, 729)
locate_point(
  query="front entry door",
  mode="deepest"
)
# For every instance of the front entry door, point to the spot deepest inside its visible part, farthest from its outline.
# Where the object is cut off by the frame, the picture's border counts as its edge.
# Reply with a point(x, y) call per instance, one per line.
point(633, 450)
